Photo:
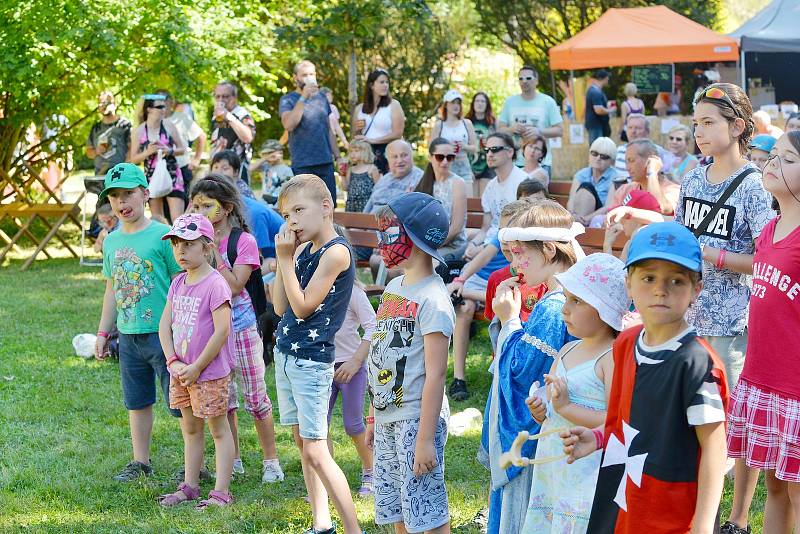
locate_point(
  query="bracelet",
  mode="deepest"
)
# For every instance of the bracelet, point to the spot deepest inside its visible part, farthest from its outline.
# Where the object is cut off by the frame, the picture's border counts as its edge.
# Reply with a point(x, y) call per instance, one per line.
point(598, 438)
point(223, 266)
point(721, 259)
point(370, 420)
point(172, 359)
point(102, 333)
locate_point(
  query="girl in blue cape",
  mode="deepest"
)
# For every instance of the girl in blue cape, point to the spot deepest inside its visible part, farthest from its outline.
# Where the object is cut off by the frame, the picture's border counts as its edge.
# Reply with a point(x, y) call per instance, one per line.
point(543, 245)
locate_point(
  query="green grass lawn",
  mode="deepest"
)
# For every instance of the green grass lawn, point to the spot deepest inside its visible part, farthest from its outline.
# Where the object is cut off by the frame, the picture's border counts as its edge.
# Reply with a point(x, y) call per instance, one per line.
point(64, 432)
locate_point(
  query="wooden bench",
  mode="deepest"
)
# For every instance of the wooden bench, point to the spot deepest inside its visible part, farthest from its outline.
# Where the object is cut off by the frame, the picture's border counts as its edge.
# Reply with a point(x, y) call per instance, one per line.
point(23, 216)
point(559, 191)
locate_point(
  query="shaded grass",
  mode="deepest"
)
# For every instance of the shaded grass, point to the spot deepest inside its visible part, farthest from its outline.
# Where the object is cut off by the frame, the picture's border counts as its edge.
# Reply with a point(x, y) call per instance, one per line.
point(64, 432)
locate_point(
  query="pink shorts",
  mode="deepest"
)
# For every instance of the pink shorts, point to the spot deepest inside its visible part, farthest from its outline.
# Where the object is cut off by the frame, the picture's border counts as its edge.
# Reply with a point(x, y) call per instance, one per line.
point(764, 429)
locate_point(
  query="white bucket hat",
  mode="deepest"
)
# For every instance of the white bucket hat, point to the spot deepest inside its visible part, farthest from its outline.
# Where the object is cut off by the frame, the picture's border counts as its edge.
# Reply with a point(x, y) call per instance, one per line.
point(599, 280)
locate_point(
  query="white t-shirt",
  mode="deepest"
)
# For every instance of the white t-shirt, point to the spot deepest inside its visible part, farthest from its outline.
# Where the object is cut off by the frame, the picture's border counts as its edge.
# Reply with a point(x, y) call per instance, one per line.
point(497, 194)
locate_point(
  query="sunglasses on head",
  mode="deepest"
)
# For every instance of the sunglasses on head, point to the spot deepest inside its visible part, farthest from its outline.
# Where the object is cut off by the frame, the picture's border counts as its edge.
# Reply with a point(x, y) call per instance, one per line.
point(595, 154)
point(715, 93)
point(496, 149)
point(442, 157)
point(526, 78)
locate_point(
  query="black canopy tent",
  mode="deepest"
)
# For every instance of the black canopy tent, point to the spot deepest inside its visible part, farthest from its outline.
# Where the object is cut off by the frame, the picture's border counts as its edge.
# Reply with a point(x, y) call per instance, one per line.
point(769, 45)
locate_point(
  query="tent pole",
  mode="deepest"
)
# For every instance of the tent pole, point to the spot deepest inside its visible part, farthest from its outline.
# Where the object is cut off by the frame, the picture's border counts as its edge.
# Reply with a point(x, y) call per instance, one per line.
point(744, 74)
point(553, 83)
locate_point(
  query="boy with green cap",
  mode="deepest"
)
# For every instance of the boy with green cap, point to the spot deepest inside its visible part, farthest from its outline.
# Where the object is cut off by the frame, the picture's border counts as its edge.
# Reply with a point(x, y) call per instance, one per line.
point(138, 266)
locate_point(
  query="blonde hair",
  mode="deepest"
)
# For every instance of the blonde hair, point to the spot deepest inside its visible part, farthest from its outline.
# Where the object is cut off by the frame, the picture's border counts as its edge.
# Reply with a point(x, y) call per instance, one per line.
point(686, 131)
point(359, 145)
point(604, 145)
point(514, 208)
point(547, 214)
point(630, 89)
point(309, 185)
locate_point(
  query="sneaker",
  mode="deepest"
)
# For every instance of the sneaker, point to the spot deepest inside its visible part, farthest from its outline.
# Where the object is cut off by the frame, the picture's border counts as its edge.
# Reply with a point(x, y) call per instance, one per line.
point(730, 528)
point(134, 470)
point(238, 467)
point(458, 390)
point(312, 530)
point(366, 484)
point(205, 475)
point(271, 472)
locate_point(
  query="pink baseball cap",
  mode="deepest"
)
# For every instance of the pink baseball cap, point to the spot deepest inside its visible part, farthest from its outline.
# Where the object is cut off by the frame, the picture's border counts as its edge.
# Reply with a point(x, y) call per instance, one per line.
point(642, 200)
point(191, 226)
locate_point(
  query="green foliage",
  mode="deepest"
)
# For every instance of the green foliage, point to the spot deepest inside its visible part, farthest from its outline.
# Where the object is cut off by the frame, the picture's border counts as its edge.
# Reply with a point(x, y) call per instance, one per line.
point(131, 47)
point(418, 43)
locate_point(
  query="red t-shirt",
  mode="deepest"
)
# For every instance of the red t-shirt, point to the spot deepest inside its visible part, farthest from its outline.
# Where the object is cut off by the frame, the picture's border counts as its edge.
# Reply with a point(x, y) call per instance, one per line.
point(773, 346)
point(530, 295)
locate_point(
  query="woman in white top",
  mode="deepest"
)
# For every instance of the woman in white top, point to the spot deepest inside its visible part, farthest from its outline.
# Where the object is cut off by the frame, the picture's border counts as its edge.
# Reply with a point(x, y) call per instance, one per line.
point(441, 183)
point(459, 131)
point(380, 119)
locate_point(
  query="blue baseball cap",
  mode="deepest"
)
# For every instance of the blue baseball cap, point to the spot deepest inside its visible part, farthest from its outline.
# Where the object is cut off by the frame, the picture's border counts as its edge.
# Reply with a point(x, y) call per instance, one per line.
point(424, 219)
point(763, 142)
point(668, 241)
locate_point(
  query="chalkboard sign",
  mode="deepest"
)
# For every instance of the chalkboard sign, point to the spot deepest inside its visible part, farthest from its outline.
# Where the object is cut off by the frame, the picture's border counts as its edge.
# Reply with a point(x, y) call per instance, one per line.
point(651, 79)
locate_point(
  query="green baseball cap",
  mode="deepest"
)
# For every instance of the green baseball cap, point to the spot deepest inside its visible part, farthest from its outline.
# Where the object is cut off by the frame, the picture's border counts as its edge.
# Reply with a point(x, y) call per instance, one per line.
point(123, 176)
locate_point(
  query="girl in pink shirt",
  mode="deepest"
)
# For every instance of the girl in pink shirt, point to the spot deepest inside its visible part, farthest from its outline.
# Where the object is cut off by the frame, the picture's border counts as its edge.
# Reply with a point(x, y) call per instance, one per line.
point(195, 333)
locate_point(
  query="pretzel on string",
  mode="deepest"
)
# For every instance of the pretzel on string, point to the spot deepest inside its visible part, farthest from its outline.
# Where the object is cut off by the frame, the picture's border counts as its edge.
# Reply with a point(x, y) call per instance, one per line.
point(514, 454)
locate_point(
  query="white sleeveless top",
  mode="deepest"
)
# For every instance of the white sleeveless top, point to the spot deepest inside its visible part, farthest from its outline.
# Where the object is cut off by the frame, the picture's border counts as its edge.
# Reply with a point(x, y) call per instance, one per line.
point(378, 124)
point(457, 133)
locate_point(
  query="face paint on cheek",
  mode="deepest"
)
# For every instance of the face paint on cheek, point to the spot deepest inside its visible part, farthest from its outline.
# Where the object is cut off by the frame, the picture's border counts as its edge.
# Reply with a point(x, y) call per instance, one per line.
point(215, 211)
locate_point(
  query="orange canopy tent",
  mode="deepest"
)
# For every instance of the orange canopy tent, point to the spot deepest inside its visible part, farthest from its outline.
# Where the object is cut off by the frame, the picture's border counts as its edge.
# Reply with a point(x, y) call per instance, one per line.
point(642, 36)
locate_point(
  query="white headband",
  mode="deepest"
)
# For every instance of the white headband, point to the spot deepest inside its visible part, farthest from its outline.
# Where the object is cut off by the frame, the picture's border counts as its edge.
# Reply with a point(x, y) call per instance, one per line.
point(537, 233)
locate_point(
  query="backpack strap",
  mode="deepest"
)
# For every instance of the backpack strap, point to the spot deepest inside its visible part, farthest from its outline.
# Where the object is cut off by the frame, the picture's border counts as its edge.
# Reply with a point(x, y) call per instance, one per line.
point(706, 222)
point(233, 242)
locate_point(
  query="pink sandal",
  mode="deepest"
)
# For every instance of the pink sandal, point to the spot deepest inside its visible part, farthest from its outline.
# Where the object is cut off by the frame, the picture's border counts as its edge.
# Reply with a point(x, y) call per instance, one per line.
point(183, 494)
point(215, 498)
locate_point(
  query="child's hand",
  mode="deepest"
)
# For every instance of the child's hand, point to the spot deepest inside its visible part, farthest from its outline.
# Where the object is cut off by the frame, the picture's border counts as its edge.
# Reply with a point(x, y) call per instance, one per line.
point(100, 350)
point(455, 287)
point(285, 243)
point(617, 215)
point(177, 367)
point(424, 457)
point(559, 394)
point(369, 437)
point(346, 371)
point(508, 301)
point(189, 375)
point(537, 407)
point(578, 442)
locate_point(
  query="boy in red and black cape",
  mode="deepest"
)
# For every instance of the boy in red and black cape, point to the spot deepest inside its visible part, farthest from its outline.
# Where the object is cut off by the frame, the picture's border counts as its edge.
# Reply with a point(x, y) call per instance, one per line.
point(664, 436)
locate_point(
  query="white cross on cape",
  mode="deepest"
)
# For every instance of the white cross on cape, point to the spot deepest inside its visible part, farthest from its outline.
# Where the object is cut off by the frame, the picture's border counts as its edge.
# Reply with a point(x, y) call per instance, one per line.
point(617, 454)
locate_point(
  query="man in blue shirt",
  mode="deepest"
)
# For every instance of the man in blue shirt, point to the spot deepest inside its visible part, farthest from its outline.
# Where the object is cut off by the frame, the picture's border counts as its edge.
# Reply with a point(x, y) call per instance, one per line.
point(305, 115)
point(596, 121)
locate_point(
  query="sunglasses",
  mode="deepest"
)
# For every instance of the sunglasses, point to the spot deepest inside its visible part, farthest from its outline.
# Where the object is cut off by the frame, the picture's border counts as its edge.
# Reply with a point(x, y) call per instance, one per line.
point(715, 93)
point(442, 157)
point(595, 154)
point(526, 78)
point(160, 106)
point(389, 236)
point(496, 149)
point(672, 138)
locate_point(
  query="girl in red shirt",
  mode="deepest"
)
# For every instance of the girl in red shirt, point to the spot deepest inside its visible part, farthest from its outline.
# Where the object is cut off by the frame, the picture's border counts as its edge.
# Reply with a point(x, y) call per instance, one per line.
point(764, 413)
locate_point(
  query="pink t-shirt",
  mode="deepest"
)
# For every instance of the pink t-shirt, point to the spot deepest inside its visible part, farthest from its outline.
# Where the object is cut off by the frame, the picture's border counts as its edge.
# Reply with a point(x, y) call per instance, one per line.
point(359, 313)
point(246, 254)
point(773, 346)
point(193, 324)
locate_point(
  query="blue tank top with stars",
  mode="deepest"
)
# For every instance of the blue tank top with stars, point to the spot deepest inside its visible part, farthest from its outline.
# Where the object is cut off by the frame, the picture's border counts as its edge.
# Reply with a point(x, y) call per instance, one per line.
point(312, 338)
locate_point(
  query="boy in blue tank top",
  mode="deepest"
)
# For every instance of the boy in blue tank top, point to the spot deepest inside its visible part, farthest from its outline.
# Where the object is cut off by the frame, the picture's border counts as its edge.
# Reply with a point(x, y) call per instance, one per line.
point(311, 293)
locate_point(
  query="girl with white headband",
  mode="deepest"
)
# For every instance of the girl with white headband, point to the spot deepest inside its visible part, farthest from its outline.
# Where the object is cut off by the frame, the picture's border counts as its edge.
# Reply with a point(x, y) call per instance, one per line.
point(576, 393)
point(543, 245)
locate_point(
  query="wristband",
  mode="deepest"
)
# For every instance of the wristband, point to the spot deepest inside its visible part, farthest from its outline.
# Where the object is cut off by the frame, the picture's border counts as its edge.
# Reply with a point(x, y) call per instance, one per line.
point(721, 259)
point(598, 438)
point(370, 420)
point(458, 279)
point(172, 359)
point(102, 333)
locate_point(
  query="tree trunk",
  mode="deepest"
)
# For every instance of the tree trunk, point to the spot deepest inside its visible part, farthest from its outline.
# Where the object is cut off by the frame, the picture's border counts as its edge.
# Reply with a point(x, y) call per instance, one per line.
point(352, 81)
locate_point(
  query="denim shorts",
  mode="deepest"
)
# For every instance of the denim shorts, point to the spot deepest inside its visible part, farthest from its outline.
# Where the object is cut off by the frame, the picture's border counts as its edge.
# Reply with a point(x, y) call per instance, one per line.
point(304, 388)
point(731, 350)
point(141, 362)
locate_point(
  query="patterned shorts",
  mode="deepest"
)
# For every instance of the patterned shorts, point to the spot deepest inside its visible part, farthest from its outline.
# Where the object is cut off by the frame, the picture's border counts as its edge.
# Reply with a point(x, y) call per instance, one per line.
point(207, 399)
point(420, 503)
point(250, 368)
point(764, 429)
